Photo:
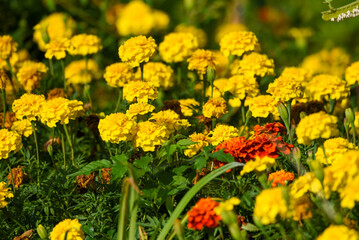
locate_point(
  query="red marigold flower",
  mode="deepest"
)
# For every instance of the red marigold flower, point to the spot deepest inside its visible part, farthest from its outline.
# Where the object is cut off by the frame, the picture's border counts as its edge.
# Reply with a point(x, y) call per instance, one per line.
point(279, 177)
point(270, 128)
point(202, 214)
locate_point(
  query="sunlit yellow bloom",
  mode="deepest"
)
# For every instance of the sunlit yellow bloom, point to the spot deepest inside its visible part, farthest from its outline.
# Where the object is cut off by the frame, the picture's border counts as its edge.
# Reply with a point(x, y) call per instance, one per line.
point(177, 47)
point(352, 73)
point(54, 111)
point(226, 28)
point(237, 43)
point(200, 141)
point(334, 150)
point(140, 108)
point(57, 48)
point(117, 127)
point(85, 44)
point(188, 106)
point(75, 72)
point(200, 34)
point(262, 106)
point(7, 46)
point(306, 183)
point(298, 74)
point(28, 106)
point(256, 64)
point(69, 229)
point(227, 205)
point(139, 91)
point(159, 74)
point(201, 60)
point(350, 194)
point(118, 74)
point(5, 192)
point(170, 120)
point(285, 88)
point(221, 133)
point(269, 205)
point(338, 232)
point(30, 75)
point(9, 141)
point(22, 127)
point(243, 85)
point(53, 27)
point(215, 107)
point(150, 135)
point(258, 165)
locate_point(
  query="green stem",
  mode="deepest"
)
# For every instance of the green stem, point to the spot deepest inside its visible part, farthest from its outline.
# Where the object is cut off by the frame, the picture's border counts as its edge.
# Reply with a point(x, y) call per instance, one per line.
point(325, 155)
point(141, 67)
point(37, 152)
point(11, 176)
point(288, 125)
point(354, 132)
point(204, 90)
point(70, 143)
point(123, 210)
point(133, 217)
point(63, 73)
point(119, 100)
point(63, 149)
point(3, 95)
point(51, 65)
point(13, 75)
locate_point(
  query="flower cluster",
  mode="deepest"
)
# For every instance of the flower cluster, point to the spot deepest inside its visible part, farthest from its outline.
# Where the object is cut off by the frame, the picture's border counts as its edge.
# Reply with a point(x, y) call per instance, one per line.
point(10, 141)
point(315, 126)
point(237, 43)
point(203, 215)
point(27, 106)
point(280, 177)
point(137, 50)
point(334, 150)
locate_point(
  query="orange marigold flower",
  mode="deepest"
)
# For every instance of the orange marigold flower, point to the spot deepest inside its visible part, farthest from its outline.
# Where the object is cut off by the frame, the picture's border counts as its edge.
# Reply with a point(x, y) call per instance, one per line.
point(270, 128)
point(18, 176)
point(203, 215)
point(85, 181)
point(280, 177)
point(105, 176)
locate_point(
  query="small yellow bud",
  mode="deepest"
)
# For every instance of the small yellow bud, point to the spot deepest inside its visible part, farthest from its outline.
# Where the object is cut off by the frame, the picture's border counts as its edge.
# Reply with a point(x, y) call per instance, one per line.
point(41, 231)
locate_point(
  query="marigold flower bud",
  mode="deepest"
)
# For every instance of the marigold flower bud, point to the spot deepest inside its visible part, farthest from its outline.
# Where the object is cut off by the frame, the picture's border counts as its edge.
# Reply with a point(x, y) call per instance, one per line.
point(349, 115)
point(283, 112)
point(41, 231)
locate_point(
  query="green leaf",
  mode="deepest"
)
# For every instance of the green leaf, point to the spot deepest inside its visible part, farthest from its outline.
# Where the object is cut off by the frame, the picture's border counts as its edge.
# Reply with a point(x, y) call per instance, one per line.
point(143, 162)
point(221, 156)
point(180, 170)
point(250, 227)
point(171, 149)
point(179, 180)
point(119, 168)
point(91, 167)
point(185, 142)
point(200, 163)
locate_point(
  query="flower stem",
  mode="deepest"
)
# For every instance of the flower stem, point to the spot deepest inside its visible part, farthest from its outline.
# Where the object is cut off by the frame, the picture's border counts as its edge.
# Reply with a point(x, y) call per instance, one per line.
point(63, 73)
point(288, 125)
point(141, 67)
point(3, 95)
point(71, 145)
point(13, 75)
point(11, 176)
point(37, 153)
point(63, 148)
point(119, 100)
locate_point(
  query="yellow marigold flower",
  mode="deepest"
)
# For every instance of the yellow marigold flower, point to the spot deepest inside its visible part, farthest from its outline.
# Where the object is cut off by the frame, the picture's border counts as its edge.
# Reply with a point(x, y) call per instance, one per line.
point(220, 86)
point(200, 34)
point(315, 126)
point(262, 106)
point(160, 20)
point(57, 48)
point(350, 194)
point(226, 28)
point(75, 72)
point(200, 141)
point(117, 127)
point(215, 107)
point(159, 74)
point(141, 108)
point(256, 64)
point(170, 119)
point(5, 192)
point(139, 91)
point(7, 46)
point(227, 205)
point(54, 111)
point(150, 135)
point(270, 204)
point(222, 63)
point(243, 85)
point(135, 18)
point(118, 74)
point(352, 73)
point(324, 85)
point(338, 232)
point(298, 74)
point(332, 62)
point(284, 89)
point(69, 228)
point(188, 105)
point(16, 60)
point(201, 60)
point(237, 43)
point(258, 164)
point(3, 79)
point(301, 208)
point(177, 47)
point(22, 127)
point(27, 106)
point(9, 141)
point(221, 133)
point(334, 150)
point(113, 12)
point(53, 27)
point(137, 50)
point(306, 183)
point(30, 75)
point(85, 44)
point(235, 102)
point(76, 109)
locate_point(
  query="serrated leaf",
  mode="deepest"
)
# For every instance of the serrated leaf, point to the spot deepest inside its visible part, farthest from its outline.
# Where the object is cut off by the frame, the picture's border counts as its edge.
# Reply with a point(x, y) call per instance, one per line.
point(250, 227)
point(139, 172)
point(171, 149)
point(221, 156)
point(180, 170)
point(119, 168)
point(179, 180)
point(143, 162)
point(91, 167)
point(200, 163)
point(185, 142)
